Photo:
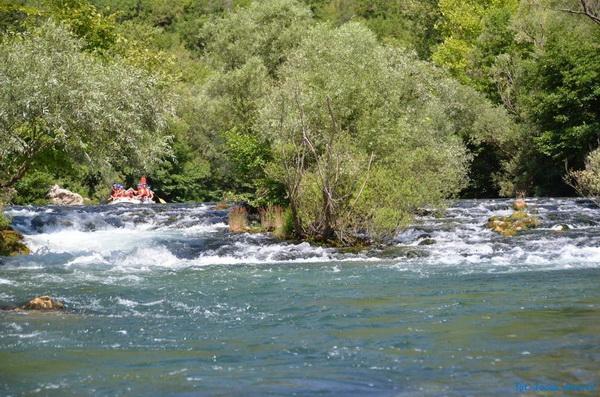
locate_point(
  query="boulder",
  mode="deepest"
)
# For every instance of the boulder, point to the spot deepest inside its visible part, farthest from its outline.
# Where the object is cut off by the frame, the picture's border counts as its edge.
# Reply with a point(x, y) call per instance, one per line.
point(560, 228)
point(221, 205)
point(509, 226)
point(60, 196)
point(43, 303)
point(11, 243)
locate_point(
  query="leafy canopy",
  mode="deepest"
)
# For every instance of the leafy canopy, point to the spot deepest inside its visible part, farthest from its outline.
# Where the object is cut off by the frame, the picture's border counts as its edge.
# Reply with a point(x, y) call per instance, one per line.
point(364, 134)
point(55, 97)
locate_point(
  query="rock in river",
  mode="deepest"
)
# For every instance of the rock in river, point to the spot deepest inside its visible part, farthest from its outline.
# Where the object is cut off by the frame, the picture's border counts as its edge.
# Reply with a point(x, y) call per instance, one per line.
point(43, 303)
point(60, 196)
point(518, 221)
point(11, 243)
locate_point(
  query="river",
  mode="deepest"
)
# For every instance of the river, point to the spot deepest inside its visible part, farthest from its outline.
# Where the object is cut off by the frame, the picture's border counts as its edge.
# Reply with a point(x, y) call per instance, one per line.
point(162, 300)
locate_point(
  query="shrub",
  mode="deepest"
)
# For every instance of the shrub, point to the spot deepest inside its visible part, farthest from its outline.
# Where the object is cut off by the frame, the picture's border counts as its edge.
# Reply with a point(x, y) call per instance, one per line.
point(4, 221)
point(587, 181)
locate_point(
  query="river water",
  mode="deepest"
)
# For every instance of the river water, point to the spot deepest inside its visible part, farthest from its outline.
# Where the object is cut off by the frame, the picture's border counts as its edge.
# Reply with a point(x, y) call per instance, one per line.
point(162, 300)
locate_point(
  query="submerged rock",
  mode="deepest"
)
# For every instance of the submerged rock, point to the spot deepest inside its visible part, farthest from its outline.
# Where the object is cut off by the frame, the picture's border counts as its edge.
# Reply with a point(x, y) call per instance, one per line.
point(43, 303)
point(221, 205)
point(11, 243)
point(60, 196)
point(518, 221)
point(560, 228)
point(399, 251)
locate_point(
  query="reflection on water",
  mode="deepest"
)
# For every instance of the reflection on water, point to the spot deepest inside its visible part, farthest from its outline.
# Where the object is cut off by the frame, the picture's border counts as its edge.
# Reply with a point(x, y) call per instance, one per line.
point(166, 302)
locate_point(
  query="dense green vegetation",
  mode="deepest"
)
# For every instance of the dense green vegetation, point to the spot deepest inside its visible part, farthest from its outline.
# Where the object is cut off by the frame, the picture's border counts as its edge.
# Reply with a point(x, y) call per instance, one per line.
point(587, 180)
point(354, 113)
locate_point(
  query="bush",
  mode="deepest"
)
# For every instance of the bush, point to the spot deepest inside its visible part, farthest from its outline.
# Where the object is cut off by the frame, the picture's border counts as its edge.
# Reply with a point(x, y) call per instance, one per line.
point(33, 188)
point(587, 181)
point(4, 221)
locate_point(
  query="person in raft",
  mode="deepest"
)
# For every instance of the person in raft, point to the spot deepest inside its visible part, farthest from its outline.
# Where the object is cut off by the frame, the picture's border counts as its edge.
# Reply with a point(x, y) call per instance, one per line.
point(117, 191)
point(143, 191)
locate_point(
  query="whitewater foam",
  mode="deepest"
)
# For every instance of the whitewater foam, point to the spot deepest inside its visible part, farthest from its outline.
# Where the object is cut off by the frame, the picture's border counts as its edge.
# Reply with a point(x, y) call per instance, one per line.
point(128, 240)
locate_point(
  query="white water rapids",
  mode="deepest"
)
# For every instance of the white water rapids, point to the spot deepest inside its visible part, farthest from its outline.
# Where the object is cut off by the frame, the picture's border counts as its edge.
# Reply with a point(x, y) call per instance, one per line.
point(122, 238)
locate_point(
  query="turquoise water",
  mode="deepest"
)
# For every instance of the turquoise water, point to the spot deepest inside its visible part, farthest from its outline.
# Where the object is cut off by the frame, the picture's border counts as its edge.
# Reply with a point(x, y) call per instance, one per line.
point(163, 301)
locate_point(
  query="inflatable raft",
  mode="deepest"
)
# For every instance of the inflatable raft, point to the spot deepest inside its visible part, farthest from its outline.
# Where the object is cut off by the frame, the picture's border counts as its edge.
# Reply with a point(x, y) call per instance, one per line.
point(127, 200)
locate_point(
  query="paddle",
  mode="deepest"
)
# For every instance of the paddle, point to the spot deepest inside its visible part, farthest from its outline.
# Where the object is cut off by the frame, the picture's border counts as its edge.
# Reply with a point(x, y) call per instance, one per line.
point(160, 200)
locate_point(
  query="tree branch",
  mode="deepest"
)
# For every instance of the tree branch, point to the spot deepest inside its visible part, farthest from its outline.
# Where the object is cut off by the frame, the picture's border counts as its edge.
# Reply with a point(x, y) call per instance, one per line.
point(587, 10)
point(365, 181)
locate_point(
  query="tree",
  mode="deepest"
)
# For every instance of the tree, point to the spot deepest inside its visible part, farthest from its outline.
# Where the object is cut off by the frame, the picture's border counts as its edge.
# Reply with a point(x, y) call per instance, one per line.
point(364, 134)
point(473, 32)
point(266, 30)
point(246, 48)
point(588, 8)
point(55, 97)
point(409, 24)
point(554, 87)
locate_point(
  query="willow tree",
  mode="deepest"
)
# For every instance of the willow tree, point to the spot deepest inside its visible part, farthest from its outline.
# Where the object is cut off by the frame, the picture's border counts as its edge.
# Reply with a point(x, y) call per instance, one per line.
point(364, 134)
point(245, 47)
point(55, 97)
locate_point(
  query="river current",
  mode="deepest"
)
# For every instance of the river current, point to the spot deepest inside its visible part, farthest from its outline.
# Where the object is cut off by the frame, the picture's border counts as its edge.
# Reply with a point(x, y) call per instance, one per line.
point(163, 300)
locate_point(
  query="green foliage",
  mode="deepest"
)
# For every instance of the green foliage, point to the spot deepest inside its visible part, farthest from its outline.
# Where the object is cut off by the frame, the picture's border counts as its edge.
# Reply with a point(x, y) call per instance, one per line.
point(4, 221)
point(33, 187)
point(184, 176)
point(407, 24)
point(246, 153)
point(358, 155)
point(542, 65)
point(266, 29)
point(85, 21)
point(587, 181)
point(246, 47)
point(466, 29)
point(555, 91)
point(562, 94)
point(57, 98)
point(85, 99)
point(14, 14)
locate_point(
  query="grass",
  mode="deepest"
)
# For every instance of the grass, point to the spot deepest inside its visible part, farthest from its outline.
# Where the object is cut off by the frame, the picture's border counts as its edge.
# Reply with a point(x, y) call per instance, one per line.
point(278, 220)
point(238, 220)
point(272, 217)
